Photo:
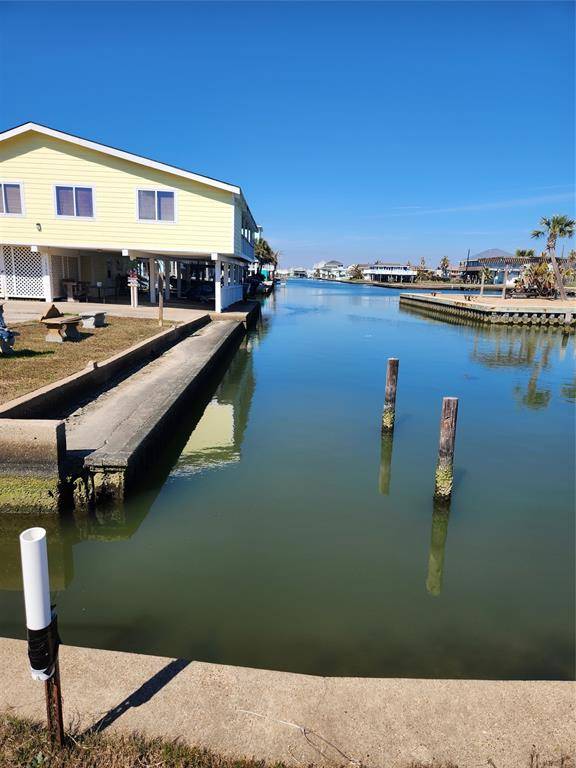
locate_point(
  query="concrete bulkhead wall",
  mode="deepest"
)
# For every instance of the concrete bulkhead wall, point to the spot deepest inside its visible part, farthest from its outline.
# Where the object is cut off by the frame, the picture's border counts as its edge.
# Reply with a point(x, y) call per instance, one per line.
point(32, 462)
point(112, 472)
point(512, 314)
point(45, 401)
point(33, 467)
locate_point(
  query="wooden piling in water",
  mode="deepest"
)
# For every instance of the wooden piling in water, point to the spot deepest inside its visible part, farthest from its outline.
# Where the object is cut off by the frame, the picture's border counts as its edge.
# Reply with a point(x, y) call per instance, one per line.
point(445, 466)
point(389, 412)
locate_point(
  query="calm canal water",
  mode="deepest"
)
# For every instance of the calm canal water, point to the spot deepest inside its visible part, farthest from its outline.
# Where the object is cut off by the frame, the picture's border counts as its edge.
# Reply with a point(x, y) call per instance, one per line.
point(281, 533)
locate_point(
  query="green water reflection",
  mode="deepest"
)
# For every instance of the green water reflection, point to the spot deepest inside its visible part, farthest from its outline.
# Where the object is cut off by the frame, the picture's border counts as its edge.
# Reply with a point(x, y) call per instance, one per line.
point(279, 530)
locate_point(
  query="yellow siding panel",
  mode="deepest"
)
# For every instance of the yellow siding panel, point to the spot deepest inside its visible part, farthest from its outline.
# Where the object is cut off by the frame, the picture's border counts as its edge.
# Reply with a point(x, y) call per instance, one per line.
point(205, 219)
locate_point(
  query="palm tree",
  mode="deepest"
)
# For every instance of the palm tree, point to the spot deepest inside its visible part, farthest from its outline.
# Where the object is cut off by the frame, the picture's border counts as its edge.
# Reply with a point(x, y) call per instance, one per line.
point(525, 254)
point(444, 265)
point(356, 272)
point(265, 254)
point(552, 229)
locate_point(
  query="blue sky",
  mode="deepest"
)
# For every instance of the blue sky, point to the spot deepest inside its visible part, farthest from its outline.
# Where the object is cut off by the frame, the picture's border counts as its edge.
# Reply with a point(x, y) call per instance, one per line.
point(357, 130)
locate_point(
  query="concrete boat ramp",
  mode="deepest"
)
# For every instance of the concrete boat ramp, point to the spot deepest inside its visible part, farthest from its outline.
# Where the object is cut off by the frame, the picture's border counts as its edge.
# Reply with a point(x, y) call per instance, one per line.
point(110, 436)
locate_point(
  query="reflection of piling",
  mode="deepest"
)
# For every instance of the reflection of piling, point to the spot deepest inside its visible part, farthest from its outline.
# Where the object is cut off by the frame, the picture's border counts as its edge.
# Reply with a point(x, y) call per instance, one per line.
point(445, 466)
point(389, 412)
point(440, 518)
point(385, 462)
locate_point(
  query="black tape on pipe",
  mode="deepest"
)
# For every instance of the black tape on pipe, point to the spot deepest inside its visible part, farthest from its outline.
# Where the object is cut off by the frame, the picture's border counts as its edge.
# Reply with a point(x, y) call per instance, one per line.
point(43, 647)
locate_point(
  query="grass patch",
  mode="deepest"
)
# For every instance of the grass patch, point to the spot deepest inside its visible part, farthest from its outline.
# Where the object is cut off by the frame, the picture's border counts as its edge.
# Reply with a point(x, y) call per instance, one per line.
point(36, 362)
point(25, 744)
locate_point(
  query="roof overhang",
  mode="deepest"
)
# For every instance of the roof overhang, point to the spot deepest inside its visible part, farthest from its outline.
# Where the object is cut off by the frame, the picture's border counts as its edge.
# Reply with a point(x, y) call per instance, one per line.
point(112, 151)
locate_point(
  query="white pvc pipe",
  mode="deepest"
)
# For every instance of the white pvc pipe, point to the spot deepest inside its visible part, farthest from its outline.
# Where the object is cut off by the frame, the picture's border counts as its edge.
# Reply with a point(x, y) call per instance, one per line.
point(34, 554)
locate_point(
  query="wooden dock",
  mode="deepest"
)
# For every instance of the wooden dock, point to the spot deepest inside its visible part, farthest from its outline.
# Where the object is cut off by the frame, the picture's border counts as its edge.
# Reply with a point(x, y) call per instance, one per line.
point(491, 309)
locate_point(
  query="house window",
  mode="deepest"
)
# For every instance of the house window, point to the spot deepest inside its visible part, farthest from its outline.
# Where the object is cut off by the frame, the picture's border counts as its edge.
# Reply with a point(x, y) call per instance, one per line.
point(74, 201)
point(10, 199)
point(155, 205)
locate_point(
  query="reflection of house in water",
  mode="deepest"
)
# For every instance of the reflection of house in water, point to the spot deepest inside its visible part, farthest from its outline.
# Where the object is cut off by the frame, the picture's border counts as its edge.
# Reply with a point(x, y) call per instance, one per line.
point(62, 535)
point(528, 348)
point(217, 438)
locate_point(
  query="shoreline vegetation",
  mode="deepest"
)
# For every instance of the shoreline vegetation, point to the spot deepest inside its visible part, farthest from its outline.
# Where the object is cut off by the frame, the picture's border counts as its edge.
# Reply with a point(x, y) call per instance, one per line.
point(25, 744)
point(434, 285)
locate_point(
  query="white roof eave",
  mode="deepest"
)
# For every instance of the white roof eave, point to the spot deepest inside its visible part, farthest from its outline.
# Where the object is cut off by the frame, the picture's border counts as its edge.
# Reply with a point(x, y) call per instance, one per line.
point(37, 128)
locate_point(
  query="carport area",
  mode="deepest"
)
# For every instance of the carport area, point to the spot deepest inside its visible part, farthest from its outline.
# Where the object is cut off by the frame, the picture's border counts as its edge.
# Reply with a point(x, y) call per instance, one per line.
point(208, 281)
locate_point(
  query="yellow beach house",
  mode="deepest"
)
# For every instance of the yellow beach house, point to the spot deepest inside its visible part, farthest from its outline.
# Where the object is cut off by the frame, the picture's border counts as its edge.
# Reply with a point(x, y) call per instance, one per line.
point(77, 216)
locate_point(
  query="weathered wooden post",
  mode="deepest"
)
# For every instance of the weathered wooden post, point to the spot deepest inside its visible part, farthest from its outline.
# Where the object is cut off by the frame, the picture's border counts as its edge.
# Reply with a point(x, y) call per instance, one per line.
point(445, 466)
point(389, 412)
point(482, 283)
point(160, 301)
point(440, 518)
point(505, 284)
point(41, 624)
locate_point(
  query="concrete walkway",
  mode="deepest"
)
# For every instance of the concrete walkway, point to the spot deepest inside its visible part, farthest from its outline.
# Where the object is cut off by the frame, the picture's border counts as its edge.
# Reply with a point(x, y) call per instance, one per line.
point(19, 311)
point(113, 426)
point(302, 719)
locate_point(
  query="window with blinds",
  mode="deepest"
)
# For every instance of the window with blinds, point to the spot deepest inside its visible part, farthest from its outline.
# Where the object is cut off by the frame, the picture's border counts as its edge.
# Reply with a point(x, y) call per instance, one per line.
point(74, 201)
point(156, 205)
point(10, 199)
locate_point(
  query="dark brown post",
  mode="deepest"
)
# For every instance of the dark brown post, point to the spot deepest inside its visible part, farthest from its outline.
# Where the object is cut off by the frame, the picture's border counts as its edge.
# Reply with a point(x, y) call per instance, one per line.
point(54, 708)
point(389, 412)
point(445, 466)
point(160, 301)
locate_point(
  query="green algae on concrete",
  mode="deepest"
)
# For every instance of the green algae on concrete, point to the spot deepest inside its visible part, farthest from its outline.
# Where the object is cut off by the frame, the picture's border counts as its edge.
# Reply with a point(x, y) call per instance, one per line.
point(108, 486)
point(24, 493)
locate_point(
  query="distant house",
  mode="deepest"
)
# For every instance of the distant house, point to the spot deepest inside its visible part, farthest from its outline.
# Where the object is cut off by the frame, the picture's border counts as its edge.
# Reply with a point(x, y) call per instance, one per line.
point(387, 272)
point(353, 267)
point(452, 273)
point(76, 212)
point(331, 270)
point(494, 258)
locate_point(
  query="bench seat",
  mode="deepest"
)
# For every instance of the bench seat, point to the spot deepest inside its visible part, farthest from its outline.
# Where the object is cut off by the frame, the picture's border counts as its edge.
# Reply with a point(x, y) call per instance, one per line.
point(95, 319)
point(63, 328)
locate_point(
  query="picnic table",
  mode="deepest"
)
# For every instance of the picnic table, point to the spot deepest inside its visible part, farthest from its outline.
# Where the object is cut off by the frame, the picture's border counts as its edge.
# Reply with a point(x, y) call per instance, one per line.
point(61, 327)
